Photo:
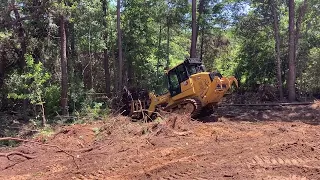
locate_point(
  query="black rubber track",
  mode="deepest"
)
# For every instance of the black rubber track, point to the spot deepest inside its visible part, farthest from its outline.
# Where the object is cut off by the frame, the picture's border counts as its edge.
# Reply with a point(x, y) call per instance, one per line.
point(194, 101)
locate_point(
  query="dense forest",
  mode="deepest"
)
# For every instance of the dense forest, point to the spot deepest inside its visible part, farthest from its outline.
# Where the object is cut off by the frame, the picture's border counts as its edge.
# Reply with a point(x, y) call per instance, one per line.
point(73, 57)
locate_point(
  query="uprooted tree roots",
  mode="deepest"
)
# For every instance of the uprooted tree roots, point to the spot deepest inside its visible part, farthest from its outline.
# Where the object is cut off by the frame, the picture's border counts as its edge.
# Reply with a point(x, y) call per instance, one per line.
point(66, 151)
point(7, 155)
point(172, 125)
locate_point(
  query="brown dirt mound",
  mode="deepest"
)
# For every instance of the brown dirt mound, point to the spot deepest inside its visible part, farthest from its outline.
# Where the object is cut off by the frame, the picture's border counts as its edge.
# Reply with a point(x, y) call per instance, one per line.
point(176, 148)
point(173, 125)
point(178, 122)
point(74, 137)
point(121, 127)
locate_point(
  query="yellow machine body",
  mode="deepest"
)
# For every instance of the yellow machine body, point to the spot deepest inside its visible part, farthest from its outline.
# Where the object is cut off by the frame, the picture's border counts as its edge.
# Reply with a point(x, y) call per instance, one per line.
point(206, 87)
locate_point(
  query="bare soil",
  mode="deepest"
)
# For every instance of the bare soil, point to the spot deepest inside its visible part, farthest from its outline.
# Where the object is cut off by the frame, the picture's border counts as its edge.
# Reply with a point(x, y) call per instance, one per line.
point(234, 143)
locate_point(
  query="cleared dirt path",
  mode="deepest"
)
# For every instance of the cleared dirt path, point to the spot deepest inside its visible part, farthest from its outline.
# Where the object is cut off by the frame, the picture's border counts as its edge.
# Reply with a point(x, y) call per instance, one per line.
point(232, 144)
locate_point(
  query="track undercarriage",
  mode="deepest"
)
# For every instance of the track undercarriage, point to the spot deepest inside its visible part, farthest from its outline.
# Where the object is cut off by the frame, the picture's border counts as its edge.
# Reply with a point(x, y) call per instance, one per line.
point(137, 106)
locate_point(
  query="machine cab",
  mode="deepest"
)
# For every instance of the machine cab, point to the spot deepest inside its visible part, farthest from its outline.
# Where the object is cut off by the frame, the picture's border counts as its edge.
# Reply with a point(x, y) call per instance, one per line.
point(182, 72)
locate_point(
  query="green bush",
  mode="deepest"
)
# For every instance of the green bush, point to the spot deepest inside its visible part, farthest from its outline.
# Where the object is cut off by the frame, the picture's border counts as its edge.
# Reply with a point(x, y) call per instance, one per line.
point(30, 84)
point(309, 80)
point(52, 98)
point(95, 110)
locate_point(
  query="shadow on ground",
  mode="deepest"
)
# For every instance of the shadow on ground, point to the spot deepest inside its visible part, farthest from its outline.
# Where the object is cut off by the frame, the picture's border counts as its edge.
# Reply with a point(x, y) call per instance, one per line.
point(309, 114)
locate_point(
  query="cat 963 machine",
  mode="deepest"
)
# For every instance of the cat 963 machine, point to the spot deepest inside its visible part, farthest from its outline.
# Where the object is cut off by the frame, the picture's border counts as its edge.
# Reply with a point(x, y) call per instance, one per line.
point(191, 90)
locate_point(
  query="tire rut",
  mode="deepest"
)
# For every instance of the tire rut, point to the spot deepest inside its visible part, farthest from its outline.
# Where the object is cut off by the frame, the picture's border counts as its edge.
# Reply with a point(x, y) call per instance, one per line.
point(266, 161)
point(291, 177)
point(266, 165)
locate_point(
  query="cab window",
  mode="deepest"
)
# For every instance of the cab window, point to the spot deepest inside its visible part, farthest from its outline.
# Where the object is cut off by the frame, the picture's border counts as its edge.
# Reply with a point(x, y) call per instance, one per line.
point(173, 80)
point(182, 73)
point(195, 68)
point(192, 69)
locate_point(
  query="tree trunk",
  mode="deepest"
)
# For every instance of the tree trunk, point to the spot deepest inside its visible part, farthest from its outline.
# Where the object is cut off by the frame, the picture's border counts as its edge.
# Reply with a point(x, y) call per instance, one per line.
point(277, 48)
point(115, 68)
point(130, 74)
point(168, 44)
point(73, 54)
point(292, 65)
point(90, 77)
point(37, 53)
point(64, 71)
point(3, 58)
point(201, 44)
point(200, 19)
point(21, 54)
point(159, 52)
point(130, 70)
point(44, 120)
point(119, 49)
point(193, 48)
point(106, 58)
point(21, 36)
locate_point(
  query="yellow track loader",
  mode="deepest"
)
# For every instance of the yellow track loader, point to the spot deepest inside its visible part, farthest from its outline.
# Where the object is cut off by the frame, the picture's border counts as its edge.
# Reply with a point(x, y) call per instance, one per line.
point(191, 90)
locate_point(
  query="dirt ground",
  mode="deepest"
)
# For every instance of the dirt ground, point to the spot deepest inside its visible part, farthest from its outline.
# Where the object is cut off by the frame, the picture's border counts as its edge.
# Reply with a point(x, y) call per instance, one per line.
point(234, 143)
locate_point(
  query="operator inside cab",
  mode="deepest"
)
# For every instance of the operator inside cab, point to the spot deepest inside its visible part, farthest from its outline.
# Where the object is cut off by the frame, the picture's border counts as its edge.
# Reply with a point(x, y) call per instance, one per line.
point(182, 72)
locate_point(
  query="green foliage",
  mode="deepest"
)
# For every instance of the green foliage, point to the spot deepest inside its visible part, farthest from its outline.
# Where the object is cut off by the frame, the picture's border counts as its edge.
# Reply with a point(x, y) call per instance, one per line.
point(309, 80)
point(78, 96)
point(15, 86)
point(9, 143)
point(89, 29)
point(95, 111)
point(30, 84)
point(91, 108)
point(226, 63)
point(5, 36)
point(237, 39)
point(52, 99)
point(256, 62)
point(45, 133)
point(251, 55)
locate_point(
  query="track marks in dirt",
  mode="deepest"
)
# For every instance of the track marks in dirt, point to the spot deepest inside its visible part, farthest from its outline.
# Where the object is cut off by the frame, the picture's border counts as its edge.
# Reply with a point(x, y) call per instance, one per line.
point(187, 172)
point(163, 166)
point(99, 175)
point(177, 175)
point(265, 161)
point(176, 168)
point(266, 165)
point(291, 177)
